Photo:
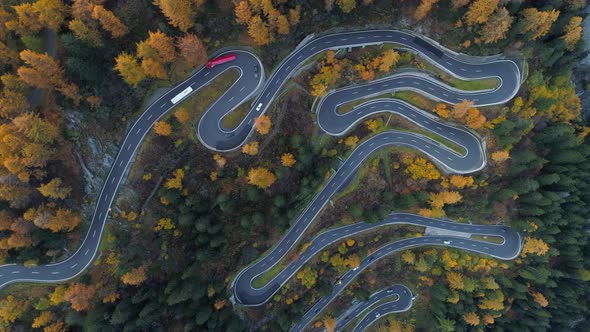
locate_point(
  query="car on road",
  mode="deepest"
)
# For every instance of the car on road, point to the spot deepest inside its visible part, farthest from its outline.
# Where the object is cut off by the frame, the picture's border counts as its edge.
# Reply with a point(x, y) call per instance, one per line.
point(255, 71)
point(377, 315)
point(230, 134)
point(317, 310)
point(259, 107)
point(356, 268)
point(447, 242)
point(389, 291)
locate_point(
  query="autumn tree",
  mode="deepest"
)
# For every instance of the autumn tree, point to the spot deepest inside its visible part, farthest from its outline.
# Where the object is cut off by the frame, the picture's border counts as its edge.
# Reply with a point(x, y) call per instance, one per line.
point(497, 26)
point(500, 156)
point(129, 69)
point(538, 23)
point(243, 12)
point(259, 31)
point(176, 181)
point(540, 299)
point(420, 168)
point(163, 128)
point(54, 189)
point(261, 177)
point(250, 148)
point(182, 114)
point(460, 109)
point(346, 5)
point(44, 72)
point(288, 159)
point(192, 49)
point(479, 11)
point(262, 124)
point(534, 246)
point(330, 324)
point(135, 276)
point(460, 182)
point(308, 277)
point(56, 221)
point(158, 47)
point(85, 32)
point(180, 13)
point(12, 308)
point(32, 17)
point(455, 280)
point(79, 295)
point(154, 68)
point(471, 318)
point(573, 32)
point(474, 119)
point(388, 59)
point(43, 319)
point(423, 9)
point(441, 110)
point(109, 21)
point(351, 141)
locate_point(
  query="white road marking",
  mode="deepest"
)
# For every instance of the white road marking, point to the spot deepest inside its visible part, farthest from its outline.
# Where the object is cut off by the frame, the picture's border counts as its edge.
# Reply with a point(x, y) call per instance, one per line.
point(94, 233)
point(129, 147)
point(55, 272)
point(242, 89)
point(15, 272)
point(73, 266)
point(149, 117)
point(35, 272)
point(86, 253)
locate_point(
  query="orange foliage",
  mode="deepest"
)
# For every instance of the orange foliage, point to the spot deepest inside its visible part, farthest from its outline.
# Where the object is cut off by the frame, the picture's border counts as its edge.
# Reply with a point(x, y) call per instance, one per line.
point(538, 23)
point(43, 319)
point(135, 276)
point(243, 12)
point(261, 177)
point(573, 32)
point(461, 182)
point(480, 10)
point(163, 128)
point(259, 31)
point(497, 26)
point(500, 156)
point(79, 295)
point(192, 49)
point(250, 148)
point(540, 299)
point(262, 124)
point(442, 110)
point(423, 9)
point(329, 324)
point(182, 115)
point(180, 13)
point(288, 160)
point(109, 21)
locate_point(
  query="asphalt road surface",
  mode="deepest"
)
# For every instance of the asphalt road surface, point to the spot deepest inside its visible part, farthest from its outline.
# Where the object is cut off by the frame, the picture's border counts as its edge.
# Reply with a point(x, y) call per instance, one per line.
point(393, 299)
point(211, 133)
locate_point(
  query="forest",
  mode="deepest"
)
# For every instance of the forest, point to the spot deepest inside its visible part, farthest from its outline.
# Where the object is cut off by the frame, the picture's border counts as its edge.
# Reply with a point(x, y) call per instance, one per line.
point(76, 74)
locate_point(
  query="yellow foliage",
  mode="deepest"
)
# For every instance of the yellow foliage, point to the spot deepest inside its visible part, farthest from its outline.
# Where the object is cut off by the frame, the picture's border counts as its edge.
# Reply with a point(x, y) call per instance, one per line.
point(351, 141)
point(329, 324)
point(288, 159)
point(471, 318)
point(250, 148)
point(261, 177)
point(461, 182)
point(164, 224)
point(45, 318)
point(408, 257)
point(420, 168)
point(176, 181)
point(534, 246)
point(441, 110)
point(182, 115)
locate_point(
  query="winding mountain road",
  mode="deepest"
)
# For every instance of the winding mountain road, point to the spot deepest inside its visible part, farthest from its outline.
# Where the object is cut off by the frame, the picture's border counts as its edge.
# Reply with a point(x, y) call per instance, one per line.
point(213, 135)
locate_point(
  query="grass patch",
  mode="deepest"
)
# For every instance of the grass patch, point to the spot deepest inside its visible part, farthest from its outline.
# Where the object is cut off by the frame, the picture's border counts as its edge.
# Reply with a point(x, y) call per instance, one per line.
point(487, 238)
point(476, 85)
point(437, 138)
point(345, 108)
point(416, 99)
point(267, 276)
point(235, 117)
